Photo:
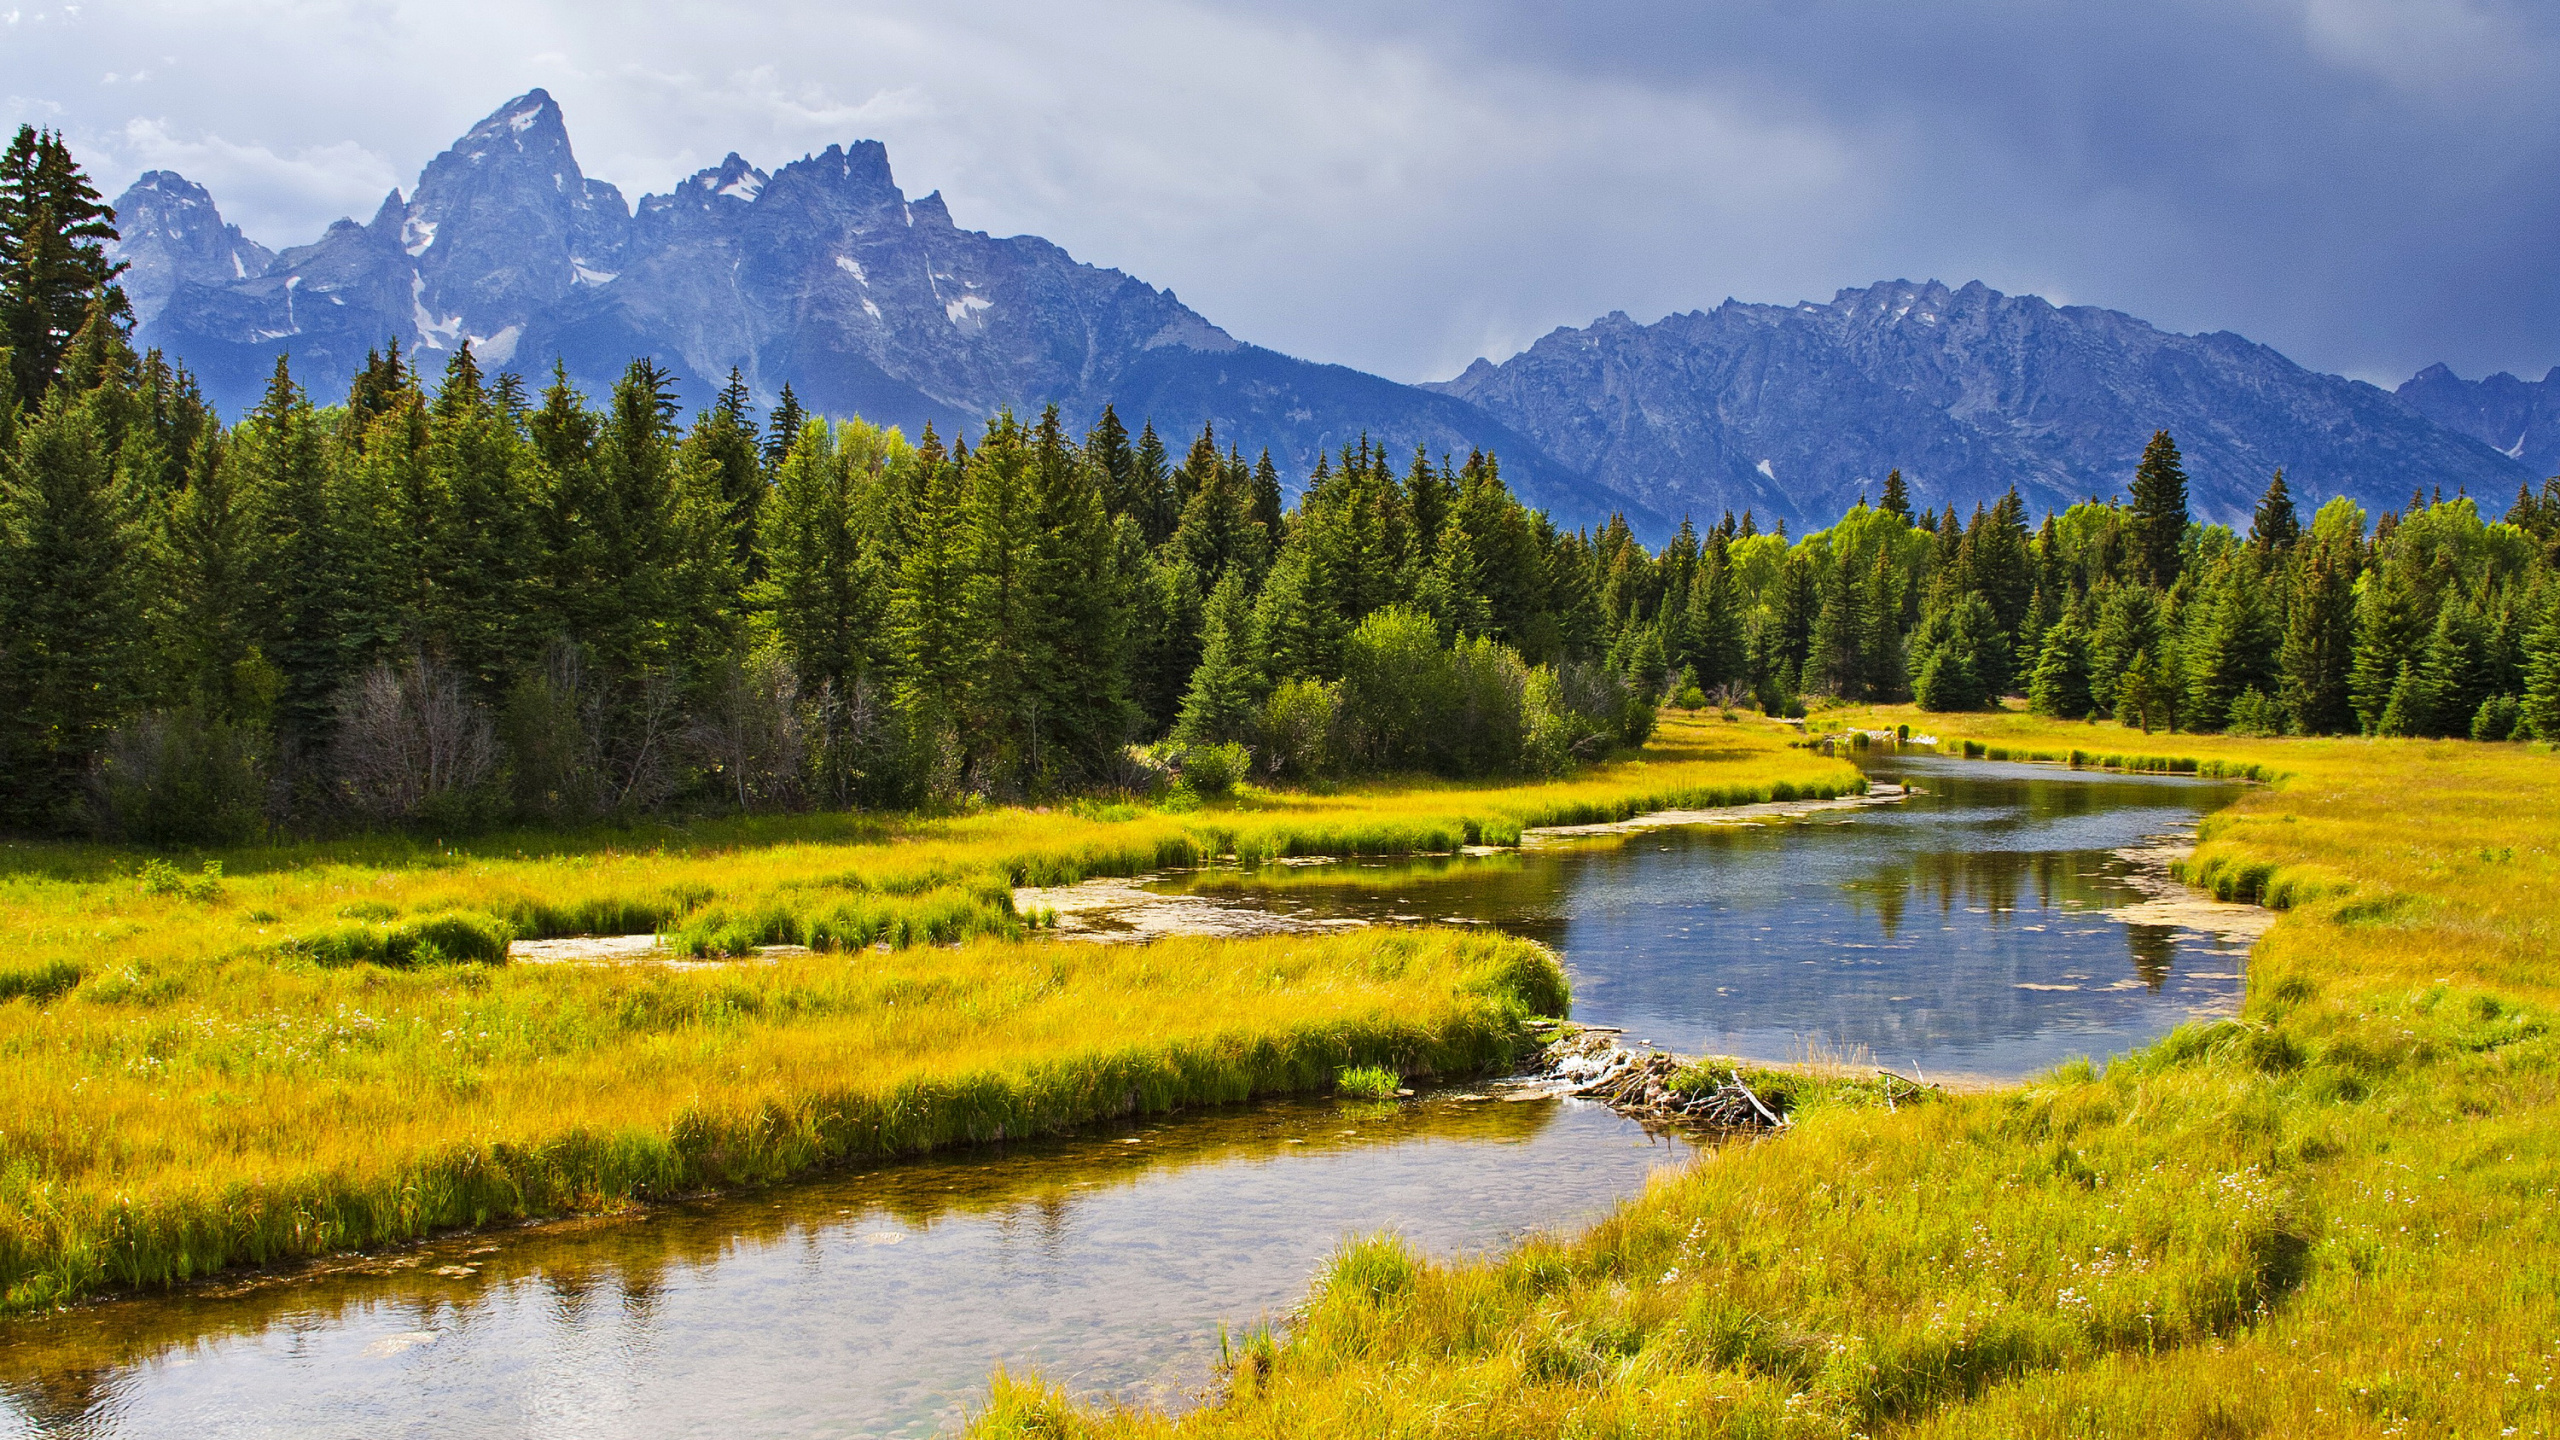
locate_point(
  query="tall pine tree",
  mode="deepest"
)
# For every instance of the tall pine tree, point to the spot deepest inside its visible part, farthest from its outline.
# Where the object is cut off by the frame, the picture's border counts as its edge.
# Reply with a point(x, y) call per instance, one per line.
point(2159, 512)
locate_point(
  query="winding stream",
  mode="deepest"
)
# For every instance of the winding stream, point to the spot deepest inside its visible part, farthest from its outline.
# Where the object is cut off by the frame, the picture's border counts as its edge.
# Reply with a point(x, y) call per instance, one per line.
point(2002, 919)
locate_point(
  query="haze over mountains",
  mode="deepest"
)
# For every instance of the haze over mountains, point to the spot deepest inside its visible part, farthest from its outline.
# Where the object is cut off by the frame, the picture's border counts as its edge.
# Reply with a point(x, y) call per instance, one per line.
point(824, 275)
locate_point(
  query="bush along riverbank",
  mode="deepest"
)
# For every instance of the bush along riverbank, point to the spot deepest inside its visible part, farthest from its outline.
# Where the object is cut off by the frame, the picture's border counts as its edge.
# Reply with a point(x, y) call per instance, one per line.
point(2330, 1215)
point(251, 1112)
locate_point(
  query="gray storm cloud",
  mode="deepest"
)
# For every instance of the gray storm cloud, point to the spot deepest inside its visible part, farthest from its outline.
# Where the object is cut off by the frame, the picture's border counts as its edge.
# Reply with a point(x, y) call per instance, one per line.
point(2368, 186)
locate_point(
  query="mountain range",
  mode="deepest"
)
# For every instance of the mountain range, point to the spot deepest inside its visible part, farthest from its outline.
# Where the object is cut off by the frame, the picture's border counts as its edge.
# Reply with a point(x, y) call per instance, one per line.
point(823, 275)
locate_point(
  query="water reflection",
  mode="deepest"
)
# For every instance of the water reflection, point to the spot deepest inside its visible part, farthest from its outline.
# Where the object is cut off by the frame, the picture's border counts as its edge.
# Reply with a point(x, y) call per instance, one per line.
point(1964, 931)
point(873, 1303)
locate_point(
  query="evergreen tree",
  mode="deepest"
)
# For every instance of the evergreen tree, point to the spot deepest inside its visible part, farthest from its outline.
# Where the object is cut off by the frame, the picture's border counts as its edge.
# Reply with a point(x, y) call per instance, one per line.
point(1219, 532)
point(1152, 497)
point(782, 431)
point(1079, 613)
point(1003, 597)
point(1171, 643)
point(2453, 673)
point(1836, 663)
point(482, 538)
point(2540, 716)
point(207, 596)
point(1958, 646)
point(2389, 628)
point(724, 447)
point(1880, 650)
point(2141, 695)
point(54, 234)
point(2128, 629)
point(1793, 614)
point(1224, 695)
point(1999, 565)
point(1897, 496)
point(1452, 590)
point(2277, 525)
point(931, 621)
point(2233, 646)
point(577, 568)
point(2318, 653)
point(2060, 687)
point(2159, 512)
point(68, 614)
point(635, 528)
point(1430, 497)
point(1115, 465)
point(383, 516)
point(1298, 631)
point(820, 590)
point(1268, 503)
point(1717, 640)
point(284, 469)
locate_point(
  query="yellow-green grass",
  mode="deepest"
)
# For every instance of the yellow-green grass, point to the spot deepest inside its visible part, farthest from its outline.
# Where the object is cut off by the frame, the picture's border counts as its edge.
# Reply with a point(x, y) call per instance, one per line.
point(78, 913)
point(2338, 1214)
point(252, 1111)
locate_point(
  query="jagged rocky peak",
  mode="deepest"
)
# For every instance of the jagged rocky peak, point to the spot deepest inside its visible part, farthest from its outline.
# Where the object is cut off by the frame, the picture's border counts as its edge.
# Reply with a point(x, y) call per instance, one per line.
point(2517, 417)
point(732, 179)
point(504, 222)
point(171, 233)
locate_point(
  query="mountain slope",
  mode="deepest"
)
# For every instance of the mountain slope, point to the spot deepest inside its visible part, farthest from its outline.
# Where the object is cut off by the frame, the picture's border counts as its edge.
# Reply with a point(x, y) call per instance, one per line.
point(2518, 418)
point(1795, 411)
point(171, 235)
point(821, 274)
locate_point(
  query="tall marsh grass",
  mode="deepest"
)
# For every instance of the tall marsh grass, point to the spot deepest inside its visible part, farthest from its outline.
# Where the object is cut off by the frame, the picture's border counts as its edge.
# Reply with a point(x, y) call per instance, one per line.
point(257, 1110)
point(829, 882)
point(2330, 1216)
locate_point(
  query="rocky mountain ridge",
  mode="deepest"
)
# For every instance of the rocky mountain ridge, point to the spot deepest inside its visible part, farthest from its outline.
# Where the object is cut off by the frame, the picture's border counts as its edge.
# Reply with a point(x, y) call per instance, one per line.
point(2519, 419)
point(1798, 410)
point(821, 273)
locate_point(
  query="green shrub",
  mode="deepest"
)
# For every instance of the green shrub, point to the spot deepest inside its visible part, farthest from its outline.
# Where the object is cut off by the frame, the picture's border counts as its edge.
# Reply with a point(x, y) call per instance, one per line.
point(40, 981)
point(1368, 1082)
point(2496, 718)
point(1298, 729)
point(453, 937)
point(1397, 690)
point(159, 877)
point(2256, 713)
point(1210, 771)
point(180, 777)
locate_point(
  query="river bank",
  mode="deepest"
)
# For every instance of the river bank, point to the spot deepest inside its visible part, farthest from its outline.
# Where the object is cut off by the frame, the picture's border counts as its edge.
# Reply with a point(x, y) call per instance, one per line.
point(2324, 1216)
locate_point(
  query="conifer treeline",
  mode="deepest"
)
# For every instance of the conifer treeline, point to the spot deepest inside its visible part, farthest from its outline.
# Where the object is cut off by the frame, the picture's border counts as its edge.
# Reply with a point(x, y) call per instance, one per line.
point(451, 600)
point(456, 601)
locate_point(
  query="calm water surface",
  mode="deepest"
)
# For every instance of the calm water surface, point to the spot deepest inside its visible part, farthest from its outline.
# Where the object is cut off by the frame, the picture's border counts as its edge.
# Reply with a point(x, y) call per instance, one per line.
point(1965, 931)
point(875, 1303)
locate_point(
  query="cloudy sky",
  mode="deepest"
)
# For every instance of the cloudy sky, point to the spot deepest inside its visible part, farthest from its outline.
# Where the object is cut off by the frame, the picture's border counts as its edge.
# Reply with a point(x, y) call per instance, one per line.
point(2369, 185)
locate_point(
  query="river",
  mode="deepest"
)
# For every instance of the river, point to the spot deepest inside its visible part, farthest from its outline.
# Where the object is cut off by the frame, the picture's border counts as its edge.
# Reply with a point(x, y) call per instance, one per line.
point(1999, 920)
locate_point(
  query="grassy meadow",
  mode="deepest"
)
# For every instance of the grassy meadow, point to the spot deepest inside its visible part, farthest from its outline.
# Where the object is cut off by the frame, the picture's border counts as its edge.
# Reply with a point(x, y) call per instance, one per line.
point(250, 1112)
point(312, 1048)
point(87, 917)
point(2334, 1215)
